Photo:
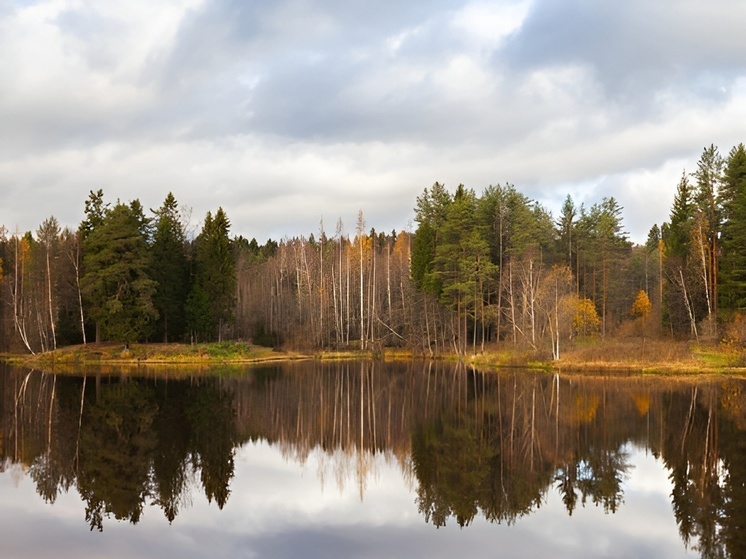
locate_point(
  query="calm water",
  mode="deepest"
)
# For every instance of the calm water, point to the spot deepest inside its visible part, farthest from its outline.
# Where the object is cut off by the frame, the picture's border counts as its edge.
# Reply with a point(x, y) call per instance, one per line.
point(371, 460)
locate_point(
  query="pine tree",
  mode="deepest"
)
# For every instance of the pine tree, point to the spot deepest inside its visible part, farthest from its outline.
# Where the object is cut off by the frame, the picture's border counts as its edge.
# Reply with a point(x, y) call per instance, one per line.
point(95, 212)
point(462, 264)
point(604, 246)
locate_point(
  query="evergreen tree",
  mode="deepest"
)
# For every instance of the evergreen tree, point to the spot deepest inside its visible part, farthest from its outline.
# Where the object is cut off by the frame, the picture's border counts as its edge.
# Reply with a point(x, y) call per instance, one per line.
point(431, 213)
point(604, 246)
point(95, 212)
point(215, 281)
point(683, 296)
point(116, 283)
point(170, 270)
point(654, 237)
point(432, 205)
point(462, 262)
point(679, 232)
point(566, 226)
point(423, 255)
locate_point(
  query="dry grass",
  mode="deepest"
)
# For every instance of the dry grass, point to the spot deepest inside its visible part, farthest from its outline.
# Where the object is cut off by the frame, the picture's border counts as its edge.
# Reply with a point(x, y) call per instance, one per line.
point(622, 355)
point(662, 356)
point(630, 351)
point(590, 355)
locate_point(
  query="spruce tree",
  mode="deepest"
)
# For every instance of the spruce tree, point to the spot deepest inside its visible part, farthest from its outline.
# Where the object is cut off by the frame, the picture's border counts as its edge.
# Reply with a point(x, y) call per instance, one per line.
point(170, 270)
point(431, 213)
point(215, 277)
point(678, 234)
point(566, 226)
point(116, 283)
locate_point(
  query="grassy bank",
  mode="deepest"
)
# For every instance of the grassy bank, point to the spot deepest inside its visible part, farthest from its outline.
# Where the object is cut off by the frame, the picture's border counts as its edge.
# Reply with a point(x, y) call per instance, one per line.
point(152, 354)
point(630, 355)
point(653, 357)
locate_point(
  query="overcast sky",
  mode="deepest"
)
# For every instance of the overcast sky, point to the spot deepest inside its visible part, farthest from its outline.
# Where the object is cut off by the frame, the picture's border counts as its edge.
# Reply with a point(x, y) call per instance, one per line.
point(292, 111)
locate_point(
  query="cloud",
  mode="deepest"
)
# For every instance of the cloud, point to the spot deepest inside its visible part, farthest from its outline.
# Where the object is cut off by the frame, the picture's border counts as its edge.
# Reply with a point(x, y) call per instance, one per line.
point(288, 111)
point(79, 72)
point(268, 190)
point(636, 49)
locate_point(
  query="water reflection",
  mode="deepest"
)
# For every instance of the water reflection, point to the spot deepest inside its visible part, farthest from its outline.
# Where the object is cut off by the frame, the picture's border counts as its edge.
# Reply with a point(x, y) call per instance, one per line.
point(120, 440)
point(472, 446)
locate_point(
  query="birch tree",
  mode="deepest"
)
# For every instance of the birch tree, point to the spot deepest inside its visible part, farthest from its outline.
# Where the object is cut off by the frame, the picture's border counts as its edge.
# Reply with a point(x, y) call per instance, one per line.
point(709, 176)
point(48, 235)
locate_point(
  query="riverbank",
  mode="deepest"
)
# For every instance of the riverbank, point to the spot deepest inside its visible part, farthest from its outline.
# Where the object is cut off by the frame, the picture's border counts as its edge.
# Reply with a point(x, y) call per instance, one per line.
point(627, 356)
point(111, 353)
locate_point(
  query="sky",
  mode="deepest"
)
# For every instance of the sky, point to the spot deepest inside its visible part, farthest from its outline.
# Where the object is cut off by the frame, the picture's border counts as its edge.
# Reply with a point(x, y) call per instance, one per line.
point(294, 114)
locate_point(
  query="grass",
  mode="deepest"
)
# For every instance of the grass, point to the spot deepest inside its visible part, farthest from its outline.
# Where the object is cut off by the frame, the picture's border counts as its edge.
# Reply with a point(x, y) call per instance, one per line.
point(627, 355)
point(589, 355)
point(154, 354)
point(654, 356)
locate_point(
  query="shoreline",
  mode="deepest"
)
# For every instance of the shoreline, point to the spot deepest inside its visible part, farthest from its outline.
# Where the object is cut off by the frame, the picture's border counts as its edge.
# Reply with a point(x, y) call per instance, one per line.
point(606, 358)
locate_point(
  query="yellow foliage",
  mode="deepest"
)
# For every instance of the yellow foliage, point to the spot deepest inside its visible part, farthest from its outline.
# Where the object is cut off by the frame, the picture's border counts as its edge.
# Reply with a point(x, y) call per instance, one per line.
point(367, 245)
point(641, 306)
point(401, 248)
point(586, 321)
point(24, 250)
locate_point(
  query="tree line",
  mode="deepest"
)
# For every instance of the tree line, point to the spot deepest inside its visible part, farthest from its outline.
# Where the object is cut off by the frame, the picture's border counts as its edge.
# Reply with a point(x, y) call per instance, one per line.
point(478, 269)
point(121, 275)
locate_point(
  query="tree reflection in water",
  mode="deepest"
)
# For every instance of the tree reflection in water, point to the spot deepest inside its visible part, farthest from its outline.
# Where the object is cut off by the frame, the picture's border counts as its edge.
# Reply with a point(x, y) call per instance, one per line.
point(131, 440)
point(472, 444)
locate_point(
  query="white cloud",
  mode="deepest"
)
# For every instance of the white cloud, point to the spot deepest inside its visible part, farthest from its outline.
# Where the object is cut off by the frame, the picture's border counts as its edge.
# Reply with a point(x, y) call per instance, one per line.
point(79, 72)
point(288, 112)
point(486, 24)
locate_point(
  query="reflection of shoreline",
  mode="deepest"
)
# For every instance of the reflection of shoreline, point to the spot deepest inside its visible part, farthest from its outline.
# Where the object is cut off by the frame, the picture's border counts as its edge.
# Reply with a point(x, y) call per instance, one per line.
point(472, 444)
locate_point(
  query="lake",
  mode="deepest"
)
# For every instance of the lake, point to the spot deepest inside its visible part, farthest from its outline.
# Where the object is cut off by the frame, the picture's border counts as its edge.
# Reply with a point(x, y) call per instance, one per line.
point(368, 459)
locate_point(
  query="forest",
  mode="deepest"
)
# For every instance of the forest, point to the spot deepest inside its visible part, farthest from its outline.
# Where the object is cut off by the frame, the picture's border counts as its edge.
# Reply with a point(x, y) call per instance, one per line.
point(479, 271)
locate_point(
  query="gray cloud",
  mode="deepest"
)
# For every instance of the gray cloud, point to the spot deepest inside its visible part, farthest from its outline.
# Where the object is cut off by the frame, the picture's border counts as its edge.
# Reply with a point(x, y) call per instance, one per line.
point(637, 49)
point(292, 111)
